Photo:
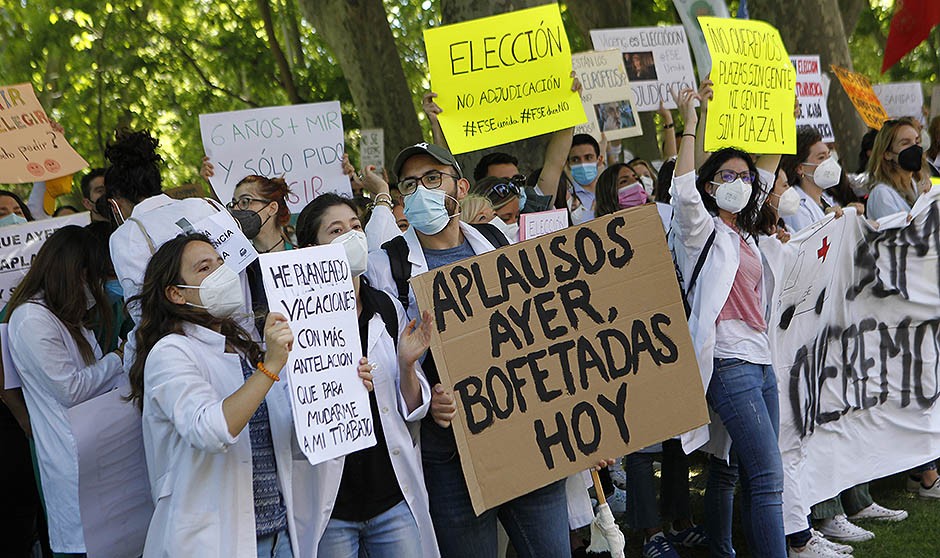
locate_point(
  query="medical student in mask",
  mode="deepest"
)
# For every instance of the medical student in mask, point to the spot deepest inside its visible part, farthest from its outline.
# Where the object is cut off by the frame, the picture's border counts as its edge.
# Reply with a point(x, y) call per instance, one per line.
point(812, 170)
point(506, 196)
point(585, 163)
point(373, 501)
point(216, 414)
point(645, 172)
point(618, 187)
point(12, 209)
point(895, 169)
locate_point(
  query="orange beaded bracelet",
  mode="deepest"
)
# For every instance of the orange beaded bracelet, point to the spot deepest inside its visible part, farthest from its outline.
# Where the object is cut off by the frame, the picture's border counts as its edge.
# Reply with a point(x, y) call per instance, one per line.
point(268, 373)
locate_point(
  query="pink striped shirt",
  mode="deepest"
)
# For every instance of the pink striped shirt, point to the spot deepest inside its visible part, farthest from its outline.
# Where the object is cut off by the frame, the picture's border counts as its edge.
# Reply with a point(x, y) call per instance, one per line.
point(744, 301)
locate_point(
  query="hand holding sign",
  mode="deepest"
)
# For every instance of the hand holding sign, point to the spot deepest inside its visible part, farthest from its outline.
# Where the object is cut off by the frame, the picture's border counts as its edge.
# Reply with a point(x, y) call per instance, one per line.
point(279, 340)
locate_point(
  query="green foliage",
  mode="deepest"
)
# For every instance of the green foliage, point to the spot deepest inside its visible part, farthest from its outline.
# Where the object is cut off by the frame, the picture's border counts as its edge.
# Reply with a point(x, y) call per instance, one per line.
point(867, 49)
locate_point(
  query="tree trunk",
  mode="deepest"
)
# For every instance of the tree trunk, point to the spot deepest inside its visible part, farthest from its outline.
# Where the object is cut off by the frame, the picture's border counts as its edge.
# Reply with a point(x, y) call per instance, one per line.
point(357, 32)
point(851, 10)
point(283, 67)
point(816, 28)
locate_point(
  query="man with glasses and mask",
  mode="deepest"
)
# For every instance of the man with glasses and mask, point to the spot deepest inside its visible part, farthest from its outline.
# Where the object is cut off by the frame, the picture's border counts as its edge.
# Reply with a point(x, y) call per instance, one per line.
point(433, 185)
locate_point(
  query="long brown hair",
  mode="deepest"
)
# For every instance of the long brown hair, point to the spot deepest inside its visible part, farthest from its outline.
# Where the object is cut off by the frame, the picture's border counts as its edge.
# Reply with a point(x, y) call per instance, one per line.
point(67, 261)
point(606, 200)
point(160, 317)
point(889, 172)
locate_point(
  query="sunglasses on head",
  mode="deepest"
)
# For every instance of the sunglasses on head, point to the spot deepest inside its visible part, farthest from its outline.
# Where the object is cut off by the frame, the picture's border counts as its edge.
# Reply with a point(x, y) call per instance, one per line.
point(502, 190)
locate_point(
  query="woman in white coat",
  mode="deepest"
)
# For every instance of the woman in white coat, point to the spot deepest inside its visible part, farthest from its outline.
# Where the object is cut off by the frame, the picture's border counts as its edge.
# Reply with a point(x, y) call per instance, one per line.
point(61, 365)
point(218, 490)
point(372, 502)
point(718, 214)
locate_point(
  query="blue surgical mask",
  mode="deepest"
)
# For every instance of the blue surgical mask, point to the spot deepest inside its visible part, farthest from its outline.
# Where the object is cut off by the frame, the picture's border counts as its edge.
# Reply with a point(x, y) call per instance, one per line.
point(522, 198)
point(12, 219)
point(114, 289)
point(584, 173)
point(426, 211)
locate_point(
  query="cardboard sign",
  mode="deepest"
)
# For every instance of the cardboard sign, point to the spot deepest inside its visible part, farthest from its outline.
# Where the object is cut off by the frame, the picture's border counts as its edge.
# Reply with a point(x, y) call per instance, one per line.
point(302, 143)
point(113, 488)
point(655, 59)
point(30, 150)
point(811, 95)
point(902, 99)
point(313, 288)
point(860, 92)
point(689, 12)
point(19, 245)
point(566, 366)
point(372, 148)
point(228, 240)
point(11, 377)
point(606, 95)
point(754, 88)
point(534, 225)
point(502, 78)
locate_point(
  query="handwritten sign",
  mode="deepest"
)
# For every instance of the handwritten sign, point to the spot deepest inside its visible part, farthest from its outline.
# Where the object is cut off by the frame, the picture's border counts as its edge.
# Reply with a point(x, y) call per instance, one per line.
point(655, 59)
point(564, 367)
point(228, 240)
point(860, 92)
point(754, 87)
point(503, 78)
point(302, 143)
point(372, 147)
point(812, 96)
point(534, 225)
point(313, 288)
point(901, 99)
point(606, 95)
point(30, 150)
point(19, 245)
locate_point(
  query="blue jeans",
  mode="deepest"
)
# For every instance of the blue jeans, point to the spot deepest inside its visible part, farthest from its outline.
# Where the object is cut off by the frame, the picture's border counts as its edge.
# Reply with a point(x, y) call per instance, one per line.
point(642, 511)
point(391, 534)
point(744, 395)
point(537, 522)
point(276, 545)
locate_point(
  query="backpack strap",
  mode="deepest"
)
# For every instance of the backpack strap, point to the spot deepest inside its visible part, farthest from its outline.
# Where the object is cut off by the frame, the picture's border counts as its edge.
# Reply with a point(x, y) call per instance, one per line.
point(397, 251)
point(700, 263)
point(149, 240)
point(385, 308)
point(492, 234)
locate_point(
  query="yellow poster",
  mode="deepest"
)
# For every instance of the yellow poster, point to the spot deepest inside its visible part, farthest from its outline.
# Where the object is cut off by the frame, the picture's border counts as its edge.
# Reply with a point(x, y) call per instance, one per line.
point(30, 150)
point(754, 87)
point(863, 96)
point(503, 78)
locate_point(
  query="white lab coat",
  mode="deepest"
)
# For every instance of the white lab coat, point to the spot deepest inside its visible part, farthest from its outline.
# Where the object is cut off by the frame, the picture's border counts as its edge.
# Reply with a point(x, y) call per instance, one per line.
point(55, 379)
point(808, 213)
point(200, 475)
point(401, 428)
point(691, 226)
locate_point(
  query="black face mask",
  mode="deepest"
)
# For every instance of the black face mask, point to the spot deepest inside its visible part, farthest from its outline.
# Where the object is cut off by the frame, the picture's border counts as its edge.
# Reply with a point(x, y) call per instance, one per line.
point(911, 158)
point(249, 221)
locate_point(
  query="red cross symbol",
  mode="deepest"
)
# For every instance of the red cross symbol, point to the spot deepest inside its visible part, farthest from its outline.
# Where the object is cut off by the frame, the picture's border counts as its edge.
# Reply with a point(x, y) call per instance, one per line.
point(823, 250)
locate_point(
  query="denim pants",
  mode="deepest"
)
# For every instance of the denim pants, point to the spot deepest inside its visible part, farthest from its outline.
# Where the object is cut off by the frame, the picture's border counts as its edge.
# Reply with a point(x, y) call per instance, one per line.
point(744, 395)
point(537, 522)
point(275, 545)
point(642, 512)
point(391, 534)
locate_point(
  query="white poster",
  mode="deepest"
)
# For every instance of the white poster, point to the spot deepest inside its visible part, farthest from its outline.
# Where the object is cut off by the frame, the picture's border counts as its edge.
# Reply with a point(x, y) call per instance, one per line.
point(855, 328)
point(902, 99)
point(812, 96)
point(313, 288)
point(228, 240)
point(302, 143)
point(655, 58)
point(689, 12)
point(372, 148)
point(606, 95)
point(19, 245)
point(114, 496)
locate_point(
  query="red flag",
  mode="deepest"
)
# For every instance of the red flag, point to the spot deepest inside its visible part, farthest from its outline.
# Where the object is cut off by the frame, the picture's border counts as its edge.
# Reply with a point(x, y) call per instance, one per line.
point(911, 24)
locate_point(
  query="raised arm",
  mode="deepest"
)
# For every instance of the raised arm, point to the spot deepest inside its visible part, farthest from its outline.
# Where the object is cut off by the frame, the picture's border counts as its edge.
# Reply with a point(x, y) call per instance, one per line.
point(705, 94)
point(670, 145)
point(556, 154)
point(432, 109)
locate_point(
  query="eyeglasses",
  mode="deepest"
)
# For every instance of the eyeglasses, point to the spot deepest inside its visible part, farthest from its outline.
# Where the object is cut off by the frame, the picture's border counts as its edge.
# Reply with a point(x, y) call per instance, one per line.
point(727, 175)
point(430, 180)
point(244, 203)
point(512, 187)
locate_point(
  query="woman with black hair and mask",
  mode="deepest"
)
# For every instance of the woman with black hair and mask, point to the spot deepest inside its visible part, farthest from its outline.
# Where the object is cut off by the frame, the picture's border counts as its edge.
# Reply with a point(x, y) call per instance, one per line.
point(894, 169)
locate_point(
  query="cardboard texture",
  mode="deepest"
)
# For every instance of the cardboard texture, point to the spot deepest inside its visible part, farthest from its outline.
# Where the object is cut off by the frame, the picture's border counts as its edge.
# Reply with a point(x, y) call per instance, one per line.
point(563, 350)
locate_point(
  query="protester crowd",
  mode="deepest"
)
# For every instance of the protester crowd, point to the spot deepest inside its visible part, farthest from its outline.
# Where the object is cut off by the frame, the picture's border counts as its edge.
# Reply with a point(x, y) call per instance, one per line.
point(134, 298)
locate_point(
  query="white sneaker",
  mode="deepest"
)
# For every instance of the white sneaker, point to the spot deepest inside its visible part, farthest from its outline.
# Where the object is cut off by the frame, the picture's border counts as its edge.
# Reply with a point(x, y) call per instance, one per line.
point(843, 549)
point(932, 493)
point(880, 513)
point(815, 548)
point(618, 502)
point(841, 529)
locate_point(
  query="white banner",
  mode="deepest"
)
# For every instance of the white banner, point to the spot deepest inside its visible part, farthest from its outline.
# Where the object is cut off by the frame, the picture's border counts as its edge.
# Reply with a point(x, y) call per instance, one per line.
point(302, 143)
point(313, 288)
point(902, 99)
point(812, 96)
point(19, 245)
point(655, 58)
point(372, 148)
point(856, 328)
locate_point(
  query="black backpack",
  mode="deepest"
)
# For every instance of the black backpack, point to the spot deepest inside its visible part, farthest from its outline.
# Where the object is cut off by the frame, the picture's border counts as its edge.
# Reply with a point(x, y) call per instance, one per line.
point(397, 251)
point(384, 306)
